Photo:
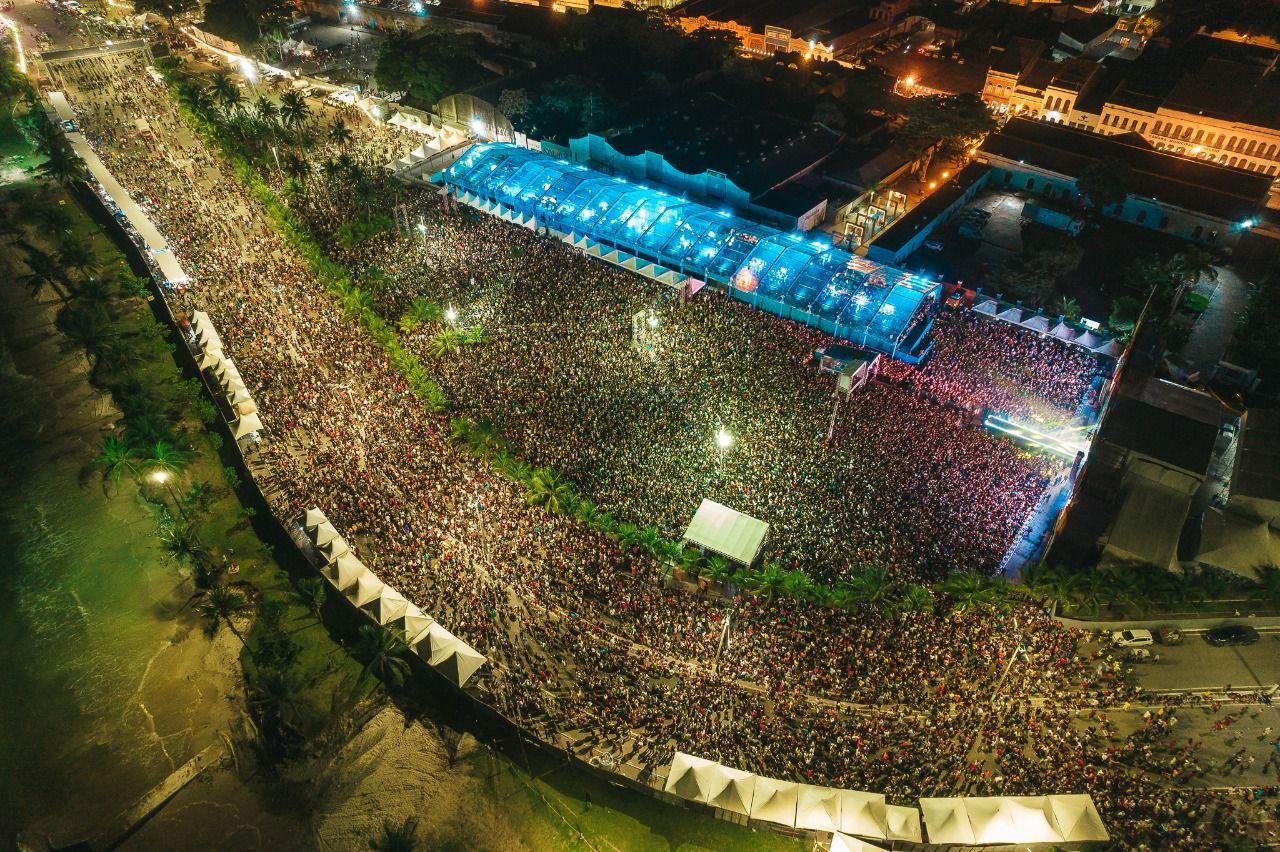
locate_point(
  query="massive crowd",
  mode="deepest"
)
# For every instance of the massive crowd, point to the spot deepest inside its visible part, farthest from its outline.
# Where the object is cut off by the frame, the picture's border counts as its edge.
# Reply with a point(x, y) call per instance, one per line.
point(585, 643)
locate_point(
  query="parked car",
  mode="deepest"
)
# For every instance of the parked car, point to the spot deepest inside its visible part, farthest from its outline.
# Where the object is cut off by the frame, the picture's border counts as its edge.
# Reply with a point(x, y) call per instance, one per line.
point(1231, 634)
point(1132, 638)
point(934, 245)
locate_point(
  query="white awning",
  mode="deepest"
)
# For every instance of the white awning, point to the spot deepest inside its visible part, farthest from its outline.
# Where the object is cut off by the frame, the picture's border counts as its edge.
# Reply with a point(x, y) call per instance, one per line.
point(344, 572)
point(388, 606)
point(682, 778)
point(459, 663)
point(1077, 818)
point(818, 808)
point(366, 588)
point(324, 532)
point(903, 823)
point(863, 814)
point(775, 801)
point(312, 519)
point(729, 533)
point(947, 821)
point(413, 623)
point(845, 843)
point(334, 548)
point(246, 425)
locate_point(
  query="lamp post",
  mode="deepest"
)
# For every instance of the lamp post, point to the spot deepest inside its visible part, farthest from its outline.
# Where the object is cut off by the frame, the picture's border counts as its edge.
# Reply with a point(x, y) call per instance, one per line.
point(163, 477)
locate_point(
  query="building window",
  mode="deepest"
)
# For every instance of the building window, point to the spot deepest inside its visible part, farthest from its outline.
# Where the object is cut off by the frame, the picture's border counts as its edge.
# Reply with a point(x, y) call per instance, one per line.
point(1143, 128)
point(1031, 183)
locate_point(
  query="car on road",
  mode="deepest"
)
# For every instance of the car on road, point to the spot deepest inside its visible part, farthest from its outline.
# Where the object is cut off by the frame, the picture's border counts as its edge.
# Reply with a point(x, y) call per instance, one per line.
point(934, 245)
point(1231, 634)
point(1132, 638)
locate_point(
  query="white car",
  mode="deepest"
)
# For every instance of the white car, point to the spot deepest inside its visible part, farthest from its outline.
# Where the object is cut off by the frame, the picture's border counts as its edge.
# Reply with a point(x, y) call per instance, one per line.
point(1132, 638)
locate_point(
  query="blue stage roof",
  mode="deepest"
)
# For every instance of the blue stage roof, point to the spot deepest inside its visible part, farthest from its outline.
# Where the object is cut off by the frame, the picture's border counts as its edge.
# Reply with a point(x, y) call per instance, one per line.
point(789, 274)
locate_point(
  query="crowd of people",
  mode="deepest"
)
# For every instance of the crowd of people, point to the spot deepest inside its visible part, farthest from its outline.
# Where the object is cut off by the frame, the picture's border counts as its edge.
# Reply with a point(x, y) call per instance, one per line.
point(586, 644)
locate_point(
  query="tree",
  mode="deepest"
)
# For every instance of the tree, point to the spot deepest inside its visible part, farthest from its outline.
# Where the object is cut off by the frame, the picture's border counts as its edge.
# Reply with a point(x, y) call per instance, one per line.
point(45, 271)
point(1124, 314)
point(872, 586)
point(161, 457)
point(1105, 182)
point(312, 592)
point(916, 598)
point(167, 9)
point(398, 838)
point(90, 331)
point(383, 652)
point(62, 165)
point(969, 591)
point(294, 112)
point(117, 459)
point(222, 605)
point(950, 120)
point(437, 60)
point(514, 104)
point(548, 490)
point(339, 133)
point(1068, 307)
point(225, 92)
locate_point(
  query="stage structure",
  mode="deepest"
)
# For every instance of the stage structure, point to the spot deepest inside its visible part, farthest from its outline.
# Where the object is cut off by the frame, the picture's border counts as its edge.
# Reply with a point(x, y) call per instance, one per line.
point(789, 274)
point(735, 536)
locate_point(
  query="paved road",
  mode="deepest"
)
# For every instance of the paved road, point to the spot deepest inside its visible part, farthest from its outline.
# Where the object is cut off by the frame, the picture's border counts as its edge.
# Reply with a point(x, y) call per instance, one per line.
point(1196, 665)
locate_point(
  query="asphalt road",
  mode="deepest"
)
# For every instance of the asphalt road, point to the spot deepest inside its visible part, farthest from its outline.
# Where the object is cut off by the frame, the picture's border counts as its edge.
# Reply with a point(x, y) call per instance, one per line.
point(1195, 665)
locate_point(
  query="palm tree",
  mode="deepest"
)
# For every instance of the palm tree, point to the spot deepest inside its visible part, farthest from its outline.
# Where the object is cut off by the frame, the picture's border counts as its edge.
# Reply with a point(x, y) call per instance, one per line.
point(163, 457)
point(179, 540)
point(312, 592)
point(797, 585)
point(355, 303)
point(90, 331)
point(1068, 307)
point(915, 598)
point(331, 169)
point(62, 166)
point(383, 652)
point(339, 133)
point(767, 580)
point(968, 590)
point(225, 92)
point(398, 838)
point(268, 113)
point(296, 167)
point(295, 112)
point(1052, 585)
point(548, 490)
point(275, 695)
point(446, 341)
point(45, 271)
point(117, 459)
point(222, 604)
point(872, 586)
point(78, 256)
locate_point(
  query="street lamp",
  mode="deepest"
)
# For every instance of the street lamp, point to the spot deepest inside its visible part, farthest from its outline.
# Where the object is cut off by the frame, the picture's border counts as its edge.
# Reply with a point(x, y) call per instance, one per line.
point(162, 477)
point(724, 440)
point(653, 321)
point(450, 315)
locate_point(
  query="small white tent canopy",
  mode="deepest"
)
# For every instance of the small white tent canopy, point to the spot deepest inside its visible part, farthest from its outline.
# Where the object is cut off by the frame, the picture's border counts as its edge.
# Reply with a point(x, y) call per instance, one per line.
point(682, 778)
point(238, 396)
point(1077, 818)
point(388, 606)
point(413, 622)
point(334, 548)
point(233, 386)
point(366, 588)
point(433, 640)
point(1038, 322)
point(345, 571)
point(736, 789)
point(324, 532)
point(203, 326)
point(210, 358)
point(845, 843)
point(458, 663)
point(818, 808)
point(986, 306)
point(947, 821)
point(1089, 340)
point(313, 518)
point(863, 814)
point(246, 425)
point(731, 534)
point(226, 367)
point(903, 823)
point(775, 801)
point(1011, 819)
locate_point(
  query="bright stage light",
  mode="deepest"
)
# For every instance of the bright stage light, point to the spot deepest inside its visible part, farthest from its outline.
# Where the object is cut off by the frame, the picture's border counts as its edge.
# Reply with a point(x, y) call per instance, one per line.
point(724, 440)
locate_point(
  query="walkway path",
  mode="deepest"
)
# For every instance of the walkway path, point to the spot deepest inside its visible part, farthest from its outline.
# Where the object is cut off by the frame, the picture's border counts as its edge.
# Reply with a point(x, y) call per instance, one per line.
point(1213, 331)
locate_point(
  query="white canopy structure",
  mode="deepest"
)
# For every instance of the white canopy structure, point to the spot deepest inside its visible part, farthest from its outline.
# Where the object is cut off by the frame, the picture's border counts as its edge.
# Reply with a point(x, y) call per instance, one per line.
point(225, 368)
point(1012, 819)
point(334, 548)
point(736, 793)
point(903, 823)
point(818, 808)
point(775, 801)
point(682, 777)
point(863, 814)
point(313, 518)
point(323, 533)
point(433, 640)
point(711, 783)
point(345, 571)
point(845, 843)
point(459, 663)
point(246, 425)
point(729, 533)
point(209, 358)
point(1077, 818)
point(366, 589)
point(412, 623)
point(388, 606)
point(947, 821)
point(238, 396)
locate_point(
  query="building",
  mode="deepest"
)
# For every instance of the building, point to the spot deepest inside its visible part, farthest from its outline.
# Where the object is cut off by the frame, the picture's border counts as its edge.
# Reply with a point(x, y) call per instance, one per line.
point(817, 30)
point(1191, 198)
point(1226, 110)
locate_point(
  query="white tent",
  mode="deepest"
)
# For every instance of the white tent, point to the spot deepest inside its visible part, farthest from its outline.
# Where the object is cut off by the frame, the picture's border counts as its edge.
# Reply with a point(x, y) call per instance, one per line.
point(246, 425)
point(234, 386)
point(818, 808)
point(736, 789)
point(845, 843)
point(344, 572)
point(863, 814)
point(225, 369)
point(1077, 818)
point(775, 801)
point(412, 623)
point(388, 606)
point(245, 406)
point(683, 778)
point(1062, 331)
point(903, 823)
point(1112, 349)
point(313, 518)
point(1012, 819)
point(209, 358)
point(324, 532)
point(239, 395)
point(1036, 323)
point(986, 306)
point(459, 663)
point(1011, 314)
point(1089, 340)
point(947, 821)
point(366, 588)
point(334, 548)
point(433, 640)
point(730, 533)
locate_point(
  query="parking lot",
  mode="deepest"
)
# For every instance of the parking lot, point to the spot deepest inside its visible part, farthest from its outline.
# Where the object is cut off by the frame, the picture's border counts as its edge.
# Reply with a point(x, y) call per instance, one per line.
point(1196, 665)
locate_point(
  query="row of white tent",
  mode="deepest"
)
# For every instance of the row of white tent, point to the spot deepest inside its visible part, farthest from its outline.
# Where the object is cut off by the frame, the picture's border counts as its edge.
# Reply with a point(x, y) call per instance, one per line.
point(991, 820)
point(788, 803)
point(247, 422)
point(1040, 323)
point(997, 820)
point(439, 648)
point(652, 271)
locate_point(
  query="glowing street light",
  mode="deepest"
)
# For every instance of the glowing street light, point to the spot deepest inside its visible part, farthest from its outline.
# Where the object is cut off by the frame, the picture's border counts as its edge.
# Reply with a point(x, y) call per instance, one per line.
point(653, 321)
point(450, 315)
point(246, 68)
point(160, 476)
point(724, 440)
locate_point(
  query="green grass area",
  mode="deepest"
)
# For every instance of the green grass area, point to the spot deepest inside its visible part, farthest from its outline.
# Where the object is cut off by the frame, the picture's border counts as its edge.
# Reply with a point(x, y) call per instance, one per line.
point(1195, 302)
point(566, 809)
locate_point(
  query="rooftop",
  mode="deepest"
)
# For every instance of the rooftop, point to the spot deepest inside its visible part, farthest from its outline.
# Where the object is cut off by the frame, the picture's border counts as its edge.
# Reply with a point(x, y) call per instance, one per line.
point(1165, 421)
point(1257, 471)
point(1215, 190)
point(900, 232)
point(817, 19)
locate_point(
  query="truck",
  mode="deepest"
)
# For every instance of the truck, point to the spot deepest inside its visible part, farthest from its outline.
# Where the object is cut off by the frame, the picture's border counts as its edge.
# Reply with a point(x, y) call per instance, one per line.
point(1050, 218)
